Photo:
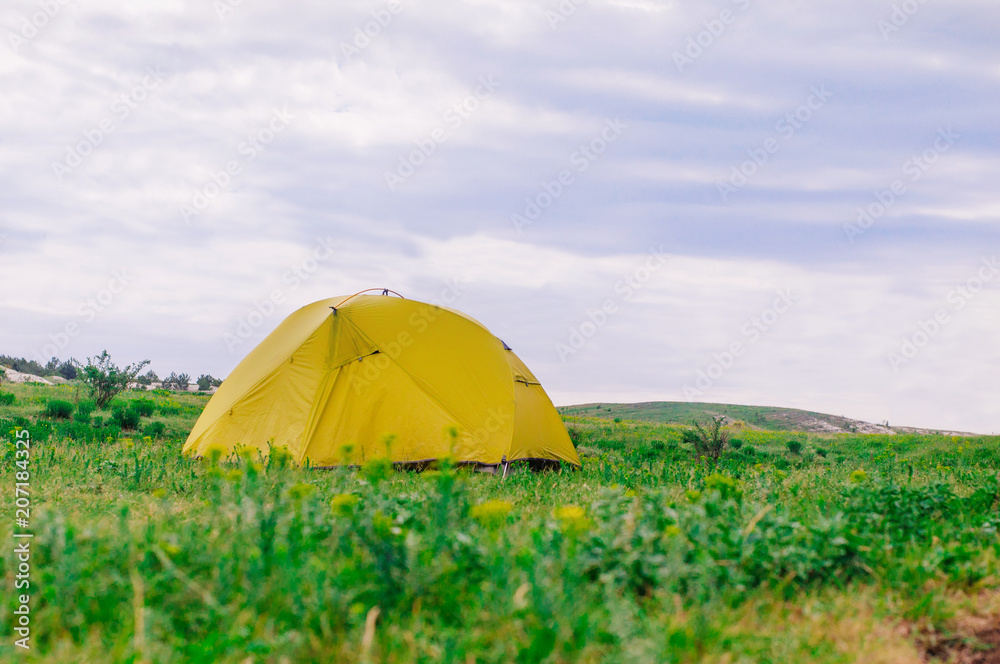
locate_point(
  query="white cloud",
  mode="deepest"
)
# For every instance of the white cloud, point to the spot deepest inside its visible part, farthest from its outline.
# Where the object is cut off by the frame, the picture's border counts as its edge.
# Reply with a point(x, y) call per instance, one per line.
point(354, 118)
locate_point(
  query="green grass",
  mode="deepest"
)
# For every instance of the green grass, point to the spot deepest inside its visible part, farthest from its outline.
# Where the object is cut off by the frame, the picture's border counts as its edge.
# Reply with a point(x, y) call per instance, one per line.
point(645, 555)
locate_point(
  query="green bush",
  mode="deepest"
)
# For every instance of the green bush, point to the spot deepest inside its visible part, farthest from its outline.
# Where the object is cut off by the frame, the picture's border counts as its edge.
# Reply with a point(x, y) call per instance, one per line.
point(794, 446)
point(145, 407)
point(154, 429)
point(735, 443)
point(127, 418)
point(7, 399)
point(83, 411)
point(59, 409)
point(821, 452)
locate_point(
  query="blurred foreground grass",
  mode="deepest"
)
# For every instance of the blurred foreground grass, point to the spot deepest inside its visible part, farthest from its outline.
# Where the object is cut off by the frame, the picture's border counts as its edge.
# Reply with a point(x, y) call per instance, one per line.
point(842, 548)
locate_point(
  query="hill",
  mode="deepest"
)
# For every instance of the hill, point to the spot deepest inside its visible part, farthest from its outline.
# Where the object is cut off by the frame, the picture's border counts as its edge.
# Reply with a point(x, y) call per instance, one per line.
point(769, 418)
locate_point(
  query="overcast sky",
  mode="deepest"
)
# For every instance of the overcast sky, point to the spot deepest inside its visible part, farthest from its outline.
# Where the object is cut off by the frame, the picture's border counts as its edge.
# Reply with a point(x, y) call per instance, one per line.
point(781, 203)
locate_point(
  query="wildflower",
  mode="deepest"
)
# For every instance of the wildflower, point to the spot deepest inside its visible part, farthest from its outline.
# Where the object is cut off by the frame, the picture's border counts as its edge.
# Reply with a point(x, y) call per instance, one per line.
point(214, 452)
point(943, 469)
point(159, 493)
point(693, 495)
point(377, 469)
point(234, 475)
point(343, 504)
point(859, 476)
point(384, 525)
point(279, 456)
point(300, 491)
point(572, 518)
point(491, 513)
point(248, 453)
point(725, 485)
point(672, 530)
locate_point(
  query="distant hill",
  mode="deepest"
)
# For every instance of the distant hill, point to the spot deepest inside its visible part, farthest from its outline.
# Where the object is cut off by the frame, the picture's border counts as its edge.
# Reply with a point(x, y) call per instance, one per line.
point(761, 417)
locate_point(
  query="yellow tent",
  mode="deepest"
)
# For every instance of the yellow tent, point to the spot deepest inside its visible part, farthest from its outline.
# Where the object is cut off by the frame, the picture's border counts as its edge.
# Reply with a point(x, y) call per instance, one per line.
point(347, 379)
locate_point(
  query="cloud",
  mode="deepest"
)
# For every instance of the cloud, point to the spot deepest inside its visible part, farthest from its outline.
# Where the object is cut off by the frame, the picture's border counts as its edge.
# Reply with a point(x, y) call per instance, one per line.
point(200, 131)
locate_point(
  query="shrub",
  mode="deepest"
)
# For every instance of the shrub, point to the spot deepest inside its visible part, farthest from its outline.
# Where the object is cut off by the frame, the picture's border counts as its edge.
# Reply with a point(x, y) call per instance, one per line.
point(206, 382)
point(105, 380)
point(154, 429)
point(145, 407)
point(749, 450)
point(794, 446)
point(725, 485)
point(62, 410)
point(175, 382)
point(736, 443)
point(709, 440)
point(7, 399)
point(127, 418)
point(821, 452)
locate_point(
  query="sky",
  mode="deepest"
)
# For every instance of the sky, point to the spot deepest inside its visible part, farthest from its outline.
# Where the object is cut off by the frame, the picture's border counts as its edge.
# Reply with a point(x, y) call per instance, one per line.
point(781, 203)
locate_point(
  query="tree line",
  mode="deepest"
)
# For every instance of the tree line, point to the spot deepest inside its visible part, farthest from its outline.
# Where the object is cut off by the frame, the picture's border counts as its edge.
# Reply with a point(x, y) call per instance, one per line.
point(73, 369)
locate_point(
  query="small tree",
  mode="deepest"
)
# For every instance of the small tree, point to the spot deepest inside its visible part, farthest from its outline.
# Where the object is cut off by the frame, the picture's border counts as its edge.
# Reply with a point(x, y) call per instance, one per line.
point(205, 382)
point(147, 378)
point(68, 369)
point(710, 440)
point(105, 380)
point(175, 382)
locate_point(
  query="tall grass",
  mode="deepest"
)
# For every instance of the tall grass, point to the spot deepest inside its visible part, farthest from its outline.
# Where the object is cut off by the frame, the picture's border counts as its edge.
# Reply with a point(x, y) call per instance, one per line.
point(646, 554)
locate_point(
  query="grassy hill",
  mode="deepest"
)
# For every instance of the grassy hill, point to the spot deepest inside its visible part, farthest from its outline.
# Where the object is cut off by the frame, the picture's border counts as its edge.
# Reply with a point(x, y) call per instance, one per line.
point(768, 418)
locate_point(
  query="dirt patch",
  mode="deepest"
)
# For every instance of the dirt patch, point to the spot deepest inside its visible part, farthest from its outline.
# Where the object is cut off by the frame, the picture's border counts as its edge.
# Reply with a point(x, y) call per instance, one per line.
point(978, 643)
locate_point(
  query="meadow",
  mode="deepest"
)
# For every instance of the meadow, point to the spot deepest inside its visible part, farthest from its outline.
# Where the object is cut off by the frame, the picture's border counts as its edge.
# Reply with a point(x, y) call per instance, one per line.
point(792, 548)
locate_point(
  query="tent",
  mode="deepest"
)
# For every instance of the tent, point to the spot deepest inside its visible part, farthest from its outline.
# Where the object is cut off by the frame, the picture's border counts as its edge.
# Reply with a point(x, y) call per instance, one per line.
point(347, 379)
